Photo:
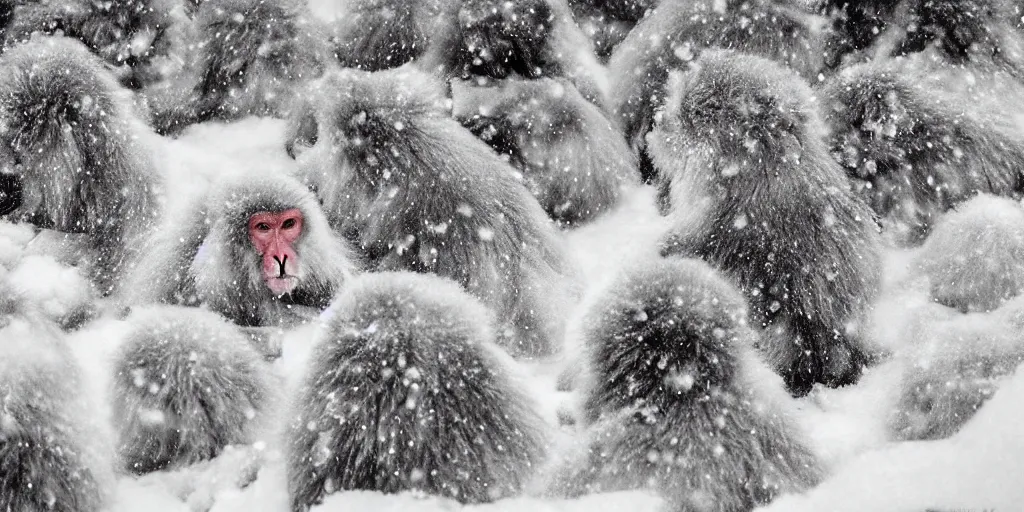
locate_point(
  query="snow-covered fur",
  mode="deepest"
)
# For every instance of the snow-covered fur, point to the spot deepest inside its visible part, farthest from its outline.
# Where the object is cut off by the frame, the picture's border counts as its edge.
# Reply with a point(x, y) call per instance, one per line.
point(203, 255)
point(572, 158)
point(974, 260)
point(496, 39)
point(854, 27)
point(142, 39)
point(72, 149)
point(52, 454)
point(957, 362)
point(914, 152)
point(253, 57)
point(754, 191)
point(406, 391)
point(675, 32)
point(187, 383)
point(381, 34)
point(682, 404)
point(419, 192)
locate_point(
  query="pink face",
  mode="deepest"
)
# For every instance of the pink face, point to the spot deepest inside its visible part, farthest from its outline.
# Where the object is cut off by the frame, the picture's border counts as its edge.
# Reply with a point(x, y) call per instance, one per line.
point(273, 234)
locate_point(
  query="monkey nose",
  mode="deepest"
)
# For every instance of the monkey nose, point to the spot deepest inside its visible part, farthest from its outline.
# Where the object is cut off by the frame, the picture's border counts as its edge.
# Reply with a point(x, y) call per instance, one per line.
point(281, 264)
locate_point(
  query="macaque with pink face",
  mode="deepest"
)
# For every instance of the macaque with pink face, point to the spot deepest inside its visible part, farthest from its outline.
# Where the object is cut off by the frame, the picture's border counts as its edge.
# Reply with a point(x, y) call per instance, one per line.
point(257, 251)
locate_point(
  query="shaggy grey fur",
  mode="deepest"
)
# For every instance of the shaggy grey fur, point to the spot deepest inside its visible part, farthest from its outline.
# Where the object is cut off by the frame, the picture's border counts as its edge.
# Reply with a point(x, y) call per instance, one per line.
point(417, 191)
point(754, 191)
point(681, 403)
point(187, 384)
point(572, 158)
point(71, 140)
point(406, 391)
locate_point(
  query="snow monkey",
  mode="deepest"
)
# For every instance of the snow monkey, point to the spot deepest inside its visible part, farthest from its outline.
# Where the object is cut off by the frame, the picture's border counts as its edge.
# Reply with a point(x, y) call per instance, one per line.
point(252, 250)
point(753, 190)
point(419, 192)
point(914, 152)
point(253, 57)
point(142, 40)
point(406, 390)
point(187, 384)
point(572, 158)
point(72, 155)
point(677, 400)
point(485, 40)
point(676, 31)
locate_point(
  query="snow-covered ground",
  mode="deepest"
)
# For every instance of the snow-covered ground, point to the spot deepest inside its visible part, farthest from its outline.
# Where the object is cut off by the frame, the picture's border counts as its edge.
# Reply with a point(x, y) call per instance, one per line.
point(977, 469)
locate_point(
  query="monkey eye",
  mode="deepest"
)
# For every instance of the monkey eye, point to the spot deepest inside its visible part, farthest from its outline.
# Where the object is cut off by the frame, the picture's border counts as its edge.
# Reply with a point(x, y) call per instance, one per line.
point(263, 226)
point(288, 224)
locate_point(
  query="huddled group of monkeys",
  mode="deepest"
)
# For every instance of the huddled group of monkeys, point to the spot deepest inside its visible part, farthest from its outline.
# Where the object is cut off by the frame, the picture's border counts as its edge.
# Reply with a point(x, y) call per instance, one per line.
point(443, 148)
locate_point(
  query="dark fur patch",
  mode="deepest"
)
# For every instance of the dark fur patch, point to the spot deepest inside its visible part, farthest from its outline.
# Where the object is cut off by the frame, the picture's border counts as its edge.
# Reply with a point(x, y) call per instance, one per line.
point(572, 158)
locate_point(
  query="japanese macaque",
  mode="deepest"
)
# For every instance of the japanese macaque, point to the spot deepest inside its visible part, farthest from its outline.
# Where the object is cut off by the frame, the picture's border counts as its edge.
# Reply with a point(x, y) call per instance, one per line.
point(141, 39)
point(914, 152)
point(187, 384)
point(407, 391)
point(484, 40)
point(675, 32)
point(753, 190)
point(381, 34)
point(72, 155)
point(608, 22)
point(257, 250)
point(253, 56)
point(52, 450)
point(417, 191)
point(572, 159)
point(974, 260)
point(678, 400)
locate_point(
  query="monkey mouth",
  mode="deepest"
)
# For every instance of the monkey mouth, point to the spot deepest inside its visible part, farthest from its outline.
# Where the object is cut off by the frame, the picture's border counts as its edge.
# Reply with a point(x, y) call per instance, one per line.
point(282, 285)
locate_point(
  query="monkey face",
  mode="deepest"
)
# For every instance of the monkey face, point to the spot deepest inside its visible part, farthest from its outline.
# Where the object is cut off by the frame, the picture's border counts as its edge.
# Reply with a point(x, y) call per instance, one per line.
point(274, 234)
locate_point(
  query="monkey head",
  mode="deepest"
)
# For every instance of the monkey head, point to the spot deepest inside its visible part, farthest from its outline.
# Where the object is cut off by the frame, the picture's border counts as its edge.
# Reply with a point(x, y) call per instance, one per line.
point(268, 239)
